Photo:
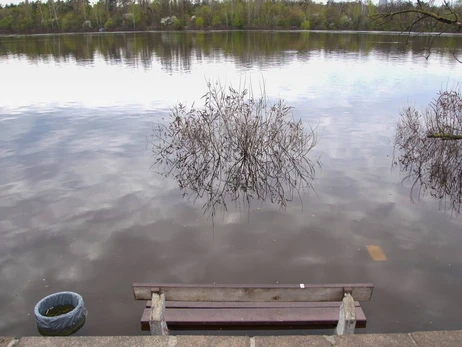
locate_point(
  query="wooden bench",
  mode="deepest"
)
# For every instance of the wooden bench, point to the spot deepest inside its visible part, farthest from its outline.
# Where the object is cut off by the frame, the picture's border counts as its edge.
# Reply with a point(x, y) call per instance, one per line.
point(180, 306)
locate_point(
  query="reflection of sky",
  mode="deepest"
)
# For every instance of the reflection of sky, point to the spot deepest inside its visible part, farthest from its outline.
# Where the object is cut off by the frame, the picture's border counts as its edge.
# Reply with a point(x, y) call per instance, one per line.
point(99, 84)
point(80, 209)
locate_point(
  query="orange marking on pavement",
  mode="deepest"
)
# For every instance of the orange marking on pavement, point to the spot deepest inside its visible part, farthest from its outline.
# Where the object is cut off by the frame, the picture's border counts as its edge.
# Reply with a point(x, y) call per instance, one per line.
point(376, 253)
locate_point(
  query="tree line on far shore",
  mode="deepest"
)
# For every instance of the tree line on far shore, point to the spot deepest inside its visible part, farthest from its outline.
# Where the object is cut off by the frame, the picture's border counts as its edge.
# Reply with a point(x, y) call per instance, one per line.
point(113, 15)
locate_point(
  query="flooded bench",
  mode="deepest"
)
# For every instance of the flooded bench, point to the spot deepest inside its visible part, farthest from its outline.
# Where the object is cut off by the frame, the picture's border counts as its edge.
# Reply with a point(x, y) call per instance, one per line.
point(185, 306)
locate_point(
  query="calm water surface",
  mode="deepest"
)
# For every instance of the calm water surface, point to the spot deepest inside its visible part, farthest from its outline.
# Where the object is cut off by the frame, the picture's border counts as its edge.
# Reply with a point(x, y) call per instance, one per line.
point(81, 210)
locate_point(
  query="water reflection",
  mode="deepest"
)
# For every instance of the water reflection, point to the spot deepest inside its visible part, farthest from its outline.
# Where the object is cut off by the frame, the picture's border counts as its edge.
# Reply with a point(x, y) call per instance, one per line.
point(158, 70)
point(175, 49)
point(80, 210)
point(429, 149)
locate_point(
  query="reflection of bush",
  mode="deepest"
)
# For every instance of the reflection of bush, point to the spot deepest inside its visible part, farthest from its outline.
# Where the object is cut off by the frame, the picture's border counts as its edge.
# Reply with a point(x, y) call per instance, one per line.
point(429, 149)
point(236, 148)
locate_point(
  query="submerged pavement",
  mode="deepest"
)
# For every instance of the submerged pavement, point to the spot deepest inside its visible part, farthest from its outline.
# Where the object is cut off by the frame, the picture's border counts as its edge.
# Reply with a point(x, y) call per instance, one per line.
point(427, 339)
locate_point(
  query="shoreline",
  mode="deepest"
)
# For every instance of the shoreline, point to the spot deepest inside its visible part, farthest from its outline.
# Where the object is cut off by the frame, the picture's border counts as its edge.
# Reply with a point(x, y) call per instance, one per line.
point(371, 32)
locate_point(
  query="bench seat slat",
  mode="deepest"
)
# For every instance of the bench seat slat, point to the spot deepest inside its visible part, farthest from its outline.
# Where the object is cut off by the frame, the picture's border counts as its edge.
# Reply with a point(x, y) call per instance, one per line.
point(253, 293)
point(239, 305)
point(247, 317)
point(262, 286)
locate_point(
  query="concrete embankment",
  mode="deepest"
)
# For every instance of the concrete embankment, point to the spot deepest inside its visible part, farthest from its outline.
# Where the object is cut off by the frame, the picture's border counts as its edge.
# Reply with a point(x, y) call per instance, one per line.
point(427, 339)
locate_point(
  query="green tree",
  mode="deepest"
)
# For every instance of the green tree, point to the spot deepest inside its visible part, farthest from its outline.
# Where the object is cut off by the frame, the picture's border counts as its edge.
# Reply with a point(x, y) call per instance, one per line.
point(178, 24)
point(238, 18)
point(109, 25)
point(345, 22)
point(6, 23)
point(199, 22)
point(67, 21)
point(206, 14)
point(70, 15)
point(216, 21)
point(305, 25)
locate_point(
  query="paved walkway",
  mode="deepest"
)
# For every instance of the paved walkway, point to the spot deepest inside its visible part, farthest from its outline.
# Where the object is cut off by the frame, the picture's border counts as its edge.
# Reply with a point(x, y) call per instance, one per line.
point(427, 339)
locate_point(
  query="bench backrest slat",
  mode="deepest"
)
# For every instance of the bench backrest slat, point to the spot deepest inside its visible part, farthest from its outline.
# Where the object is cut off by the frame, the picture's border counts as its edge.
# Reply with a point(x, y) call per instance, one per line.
point(257, 293)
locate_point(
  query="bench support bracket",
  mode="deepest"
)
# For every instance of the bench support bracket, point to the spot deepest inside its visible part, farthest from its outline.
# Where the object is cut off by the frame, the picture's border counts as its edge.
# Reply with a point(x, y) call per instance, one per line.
point(157, 322)
point(347, 316)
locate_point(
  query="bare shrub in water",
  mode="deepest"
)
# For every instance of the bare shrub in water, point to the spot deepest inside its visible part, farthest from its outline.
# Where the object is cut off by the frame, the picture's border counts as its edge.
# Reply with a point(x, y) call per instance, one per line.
point(235, 148)
point(428, 147)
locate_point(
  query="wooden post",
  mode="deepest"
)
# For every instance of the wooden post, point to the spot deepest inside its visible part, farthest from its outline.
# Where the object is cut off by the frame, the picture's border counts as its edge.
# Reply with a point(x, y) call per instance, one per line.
point(157, 322)
point(347, 316)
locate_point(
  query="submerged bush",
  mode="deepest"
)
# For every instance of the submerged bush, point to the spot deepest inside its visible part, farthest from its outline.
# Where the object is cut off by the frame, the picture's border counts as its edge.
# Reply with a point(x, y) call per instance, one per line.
point(236, 147)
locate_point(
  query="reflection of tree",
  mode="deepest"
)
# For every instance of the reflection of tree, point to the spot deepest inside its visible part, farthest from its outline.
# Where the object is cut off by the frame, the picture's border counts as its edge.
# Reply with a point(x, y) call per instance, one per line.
point(429, 149)
point(175, 50)
point(236, 148)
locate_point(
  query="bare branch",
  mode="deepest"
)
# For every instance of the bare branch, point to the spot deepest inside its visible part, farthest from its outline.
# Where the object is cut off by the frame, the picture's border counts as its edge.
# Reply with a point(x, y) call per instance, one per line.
point(454, 55)
point(428, 151)
point(427, 18)
point(433, 15)
point(236, 148)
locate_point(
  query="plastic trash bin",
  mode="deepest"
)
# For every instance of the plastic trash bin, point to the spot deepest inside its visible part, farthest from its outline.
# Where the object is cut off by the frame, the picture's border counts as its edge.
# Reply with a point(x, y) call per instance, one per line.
point(63, 324)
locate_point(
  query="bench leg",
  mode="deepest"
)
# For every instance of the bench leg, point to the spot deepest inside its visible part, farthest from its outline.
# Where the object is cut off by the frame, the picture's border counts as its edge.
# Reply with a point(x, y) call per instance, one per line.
point(157, 321)
point(347, 316)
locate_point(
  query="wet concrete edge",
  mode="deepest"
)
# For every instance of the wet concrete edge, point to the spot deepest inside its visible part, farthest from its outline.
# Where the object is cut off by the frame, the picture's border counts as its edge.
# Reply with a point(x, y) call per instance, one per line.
point(429, 338)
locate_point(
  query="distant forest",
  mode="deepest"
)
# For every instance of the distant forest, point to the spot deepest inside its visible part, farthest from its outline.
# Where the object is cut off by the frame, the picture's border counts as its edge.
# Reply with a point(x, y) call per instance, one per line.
point(115, 15)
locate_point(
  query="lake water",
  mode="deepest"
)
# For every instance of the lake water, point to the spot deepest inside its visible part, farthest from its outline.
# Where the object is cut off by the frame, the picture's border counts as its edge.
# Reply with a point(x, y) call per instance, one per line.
point(82, 210)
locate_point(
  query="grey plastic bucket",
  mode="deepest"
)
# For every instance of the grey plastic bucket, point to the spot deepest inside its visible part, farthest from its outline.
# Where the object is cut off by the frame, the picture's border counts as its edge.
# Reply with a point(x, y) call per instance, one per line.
point(65, 324)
